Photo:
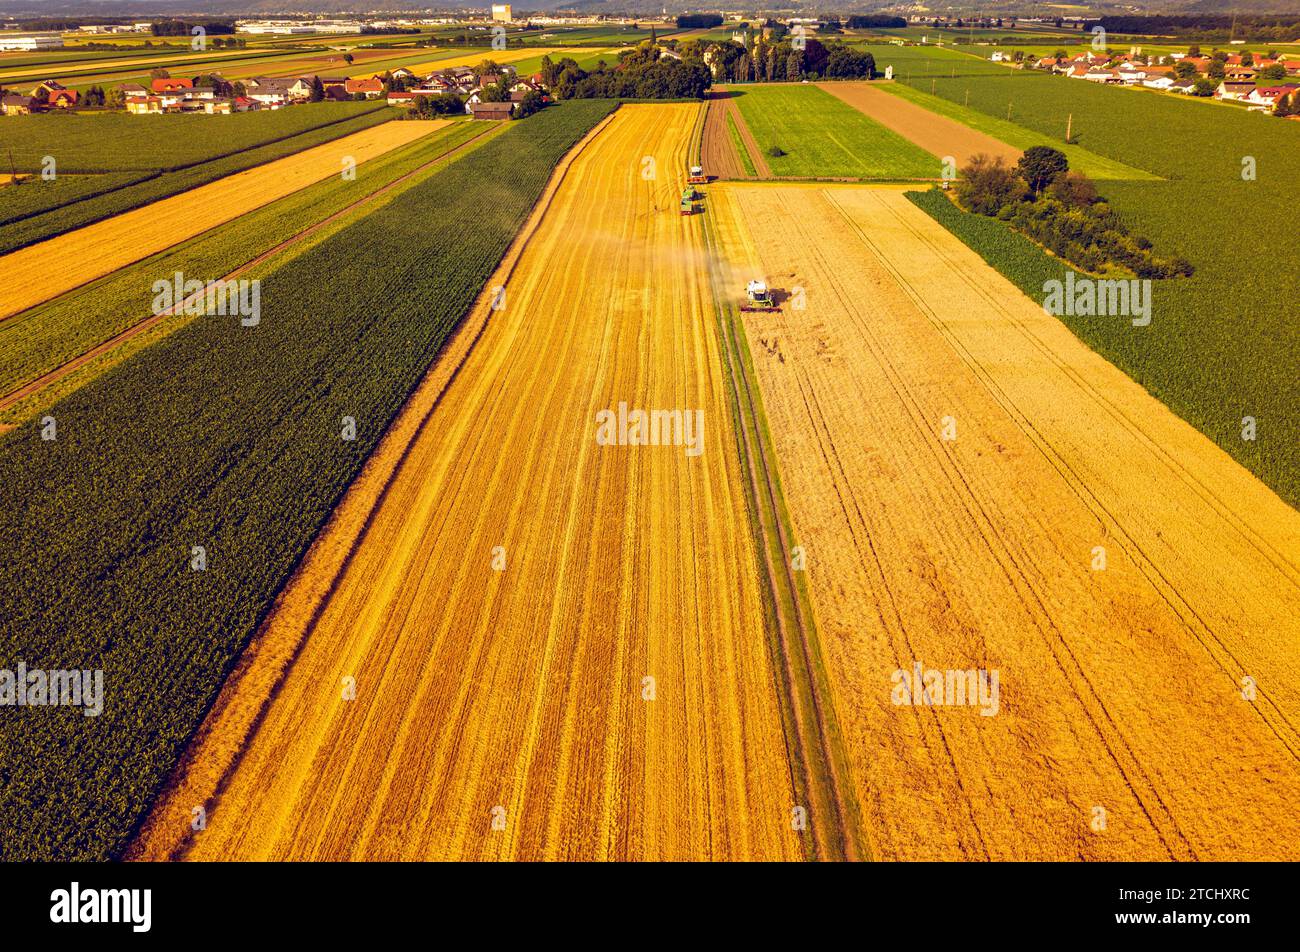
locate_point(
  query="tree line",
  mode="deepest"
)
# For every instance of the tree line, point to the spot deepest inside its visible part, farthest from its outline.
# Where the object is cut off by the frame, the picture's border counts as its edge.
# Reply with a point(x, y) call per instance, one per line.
point(1041, 198)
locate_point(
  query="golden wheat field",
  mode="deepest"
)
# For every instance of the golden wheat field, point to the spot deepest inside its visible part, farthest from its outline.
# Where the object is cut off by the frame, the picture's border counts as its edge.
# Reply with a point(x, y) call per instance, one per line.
point(1121, 729)
point(557, 646)
point(47, 269)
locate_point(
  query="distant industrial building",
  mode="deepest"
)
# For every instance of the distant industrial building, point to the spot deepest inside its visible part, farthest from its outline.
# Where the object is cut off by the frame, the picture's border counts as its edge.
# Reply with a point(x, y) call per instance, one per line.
point(296, 27)
point(30, 41)
point(501, 12)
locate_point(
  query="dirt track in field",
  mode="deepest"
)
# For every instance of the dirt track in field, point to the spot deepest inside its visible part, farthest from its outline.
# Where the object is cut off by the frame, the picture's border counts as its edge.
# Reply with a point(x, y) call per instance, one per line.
point(1121, 689)
point(523, 688)
point(727, 104)
point(43, 271)
point(718, 151)
point(934, 133)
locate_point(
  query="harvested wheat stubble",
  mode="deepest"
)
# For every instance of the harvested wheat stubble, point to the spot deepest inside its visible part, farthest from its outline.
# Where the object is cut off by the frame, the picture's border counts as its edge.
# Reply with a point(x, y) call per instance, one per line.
point(1119, 689)
point(523, 688)
point(43, 271)
point(934, 133)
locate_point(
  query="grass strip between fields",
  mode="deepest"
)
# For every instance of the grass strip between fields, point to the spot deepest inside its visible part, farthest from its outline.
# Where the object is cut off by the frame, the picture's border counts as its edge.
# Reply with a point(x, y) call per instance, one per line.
point(60, 217)
point(1081, 160)
point(230, 438)
point(47, 339)
point(819, 764)
point(739, 144)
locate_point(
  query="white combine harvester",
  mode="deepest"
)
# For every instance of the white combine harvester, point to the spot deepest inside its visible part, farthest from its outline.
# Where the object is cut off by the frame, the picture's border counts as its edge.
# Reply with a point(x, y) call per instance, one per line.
point(758, 297)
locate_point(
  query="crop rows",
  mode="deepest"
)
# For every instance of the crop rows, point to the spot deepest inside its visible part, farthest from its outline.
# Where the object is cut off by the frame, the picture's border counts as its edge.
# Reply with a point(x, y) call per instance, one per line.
point(119, 142)
point(45, 337)
point(229, 438)
point(820, 137)
point(53, 214)
point(1222, 344)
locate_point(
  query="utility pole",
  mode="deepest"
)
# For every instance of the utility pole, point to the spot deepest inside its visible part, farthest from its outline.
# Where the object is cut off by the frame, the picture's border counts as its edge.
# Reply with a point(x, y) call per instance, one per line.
point(932, 82)
point(1069, 123)
point(1008, 112)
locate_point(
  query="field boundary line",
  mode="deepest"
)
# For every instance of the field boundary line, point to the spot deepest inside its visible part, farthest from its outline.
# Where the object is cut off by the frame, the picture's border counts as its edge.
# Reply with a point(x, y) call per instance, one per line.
point(34, 387)
point(157, 834)
point(807, 700)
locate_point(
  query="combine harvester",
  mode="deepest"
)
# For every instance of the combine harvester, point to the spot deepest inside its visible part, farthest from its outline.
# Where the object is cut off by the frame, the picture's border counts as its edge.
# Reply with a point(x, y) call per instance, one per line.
point(758, 298)
point(697, 176)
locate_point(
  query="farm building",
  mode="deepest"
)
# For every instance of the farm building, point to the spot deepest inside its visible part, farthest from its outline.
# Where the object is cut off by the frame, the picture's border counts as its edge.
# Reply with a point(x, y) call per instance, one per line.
point(490, 110)
point(31, 41)
point(15, 105)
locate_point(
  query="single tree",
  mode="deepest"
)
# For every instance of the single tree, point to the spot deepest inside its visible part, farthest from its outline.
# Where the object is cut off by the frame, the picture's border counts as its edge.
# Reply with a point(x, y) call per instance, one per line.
point(1040, 166)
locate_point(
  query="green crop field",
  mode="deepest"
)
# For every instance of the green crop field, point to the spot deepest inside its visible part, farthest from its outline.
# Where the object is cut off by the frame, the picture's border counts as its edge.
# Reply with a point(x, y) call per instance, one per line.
point(227, 437)
point(36, 210)
point(81, 72)
point(46, 337)
point(825, 138)
point(1096, 166)
point(119, 142)
point(1222, 344)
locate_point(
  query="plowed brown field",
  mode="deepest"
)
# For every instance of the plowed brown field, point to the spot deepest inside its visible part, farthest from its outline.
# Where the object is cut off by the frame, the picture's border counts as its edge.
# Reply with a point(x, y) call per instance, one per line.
point(718, 150)
point(43, 271)
point(937, 134)
point(1121, 689)
point(518, 694)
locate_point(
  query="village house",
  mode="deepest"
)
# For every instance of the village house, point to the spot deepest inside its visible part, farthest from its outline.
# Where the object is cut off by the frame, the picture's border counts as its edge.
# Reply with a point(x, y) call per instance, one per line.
point(1162, 82)
point(171, 84)
point(14, 104)
point(396, 98)
point(270, 92)
point(1233, 91)
point(370, 88)
point(56, 95)
point(1270, 96)
point(144, 105)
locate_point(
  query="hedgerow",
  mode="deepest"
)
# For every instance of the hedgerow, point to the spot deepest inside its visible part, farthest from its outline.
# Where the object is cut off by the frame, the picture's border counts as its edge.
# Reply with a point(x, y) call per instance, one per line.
point(1222, 344)
point(226, 437)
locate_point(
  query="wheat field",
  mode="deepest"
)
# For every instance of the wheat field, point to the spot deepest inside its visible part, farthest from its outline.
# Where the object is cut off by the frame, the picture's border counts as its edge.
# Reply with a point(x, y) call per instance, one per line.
point(45, 270)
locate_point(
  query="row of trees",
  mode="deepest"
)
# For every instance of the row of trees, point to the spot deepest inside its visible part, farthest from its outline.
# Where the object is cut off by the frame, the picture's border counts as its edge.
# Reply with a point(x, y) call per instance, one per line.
point(1206, 26)
point(1041, 198)
point(699, 21)
point(639, 74)
point(783, 61)
point(184, 27)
